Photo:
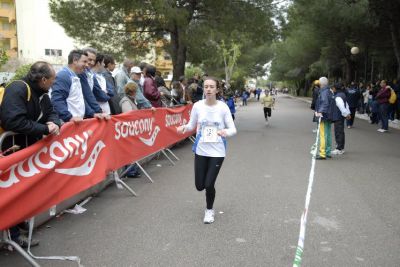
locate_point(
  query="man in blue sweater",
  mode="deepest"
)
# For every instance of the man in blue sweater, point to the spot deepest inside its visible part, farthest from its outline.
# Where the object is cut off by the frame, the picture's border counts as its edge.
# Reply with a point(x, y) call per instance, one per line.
point(67, 96)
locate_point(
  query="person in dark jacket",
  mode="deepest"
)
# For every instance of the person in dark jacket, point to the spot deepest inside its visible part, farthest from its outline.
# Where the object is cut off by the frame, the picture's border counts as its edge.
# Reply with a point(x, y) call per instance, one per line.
point(382, 97)
point(109, 66)
point(353, 96)
point(322, 111)
point(26, 109)
point(150, 90)
point(32, 115)
point(315, 93)
point(340, 111)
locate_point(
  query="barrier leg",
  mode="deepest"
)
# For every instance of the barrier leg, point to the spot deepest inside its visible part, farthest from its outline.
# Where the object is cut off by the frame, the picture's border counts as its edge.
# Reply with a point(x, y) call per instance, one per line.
point(145, 173)
point(169, 150)
point(170, 160)
point(20, 250)
point(118, 181)
point(63, 258)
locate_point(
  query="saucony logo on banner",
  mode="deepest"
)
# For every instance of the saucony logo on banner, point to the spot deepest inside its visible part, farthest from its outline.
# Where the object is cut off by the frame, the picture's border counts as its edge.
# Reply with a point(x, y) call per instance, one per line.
point(56, 153)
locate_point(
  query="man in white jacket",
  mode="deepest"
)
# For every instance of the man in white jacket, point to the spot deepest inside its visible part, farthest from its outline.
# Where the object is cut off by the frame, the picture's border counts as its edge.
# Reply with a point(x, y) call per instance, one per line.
point(340, 112)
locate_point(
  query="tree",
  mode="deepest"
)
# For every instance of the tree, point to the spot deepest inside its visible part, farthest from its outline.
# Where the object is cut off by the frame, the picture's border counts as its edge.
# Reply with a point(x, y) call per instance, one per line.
point(387, 13)
point(230, 56)
point(21, 72)
point(125, 28)
point(3, 57)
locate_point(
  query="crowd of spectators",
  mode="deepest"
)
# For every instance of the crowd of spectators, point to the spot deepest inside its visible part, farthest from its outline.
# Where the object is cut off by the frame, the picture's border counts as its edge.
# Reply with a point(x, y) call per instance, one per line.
point(379, 100)
point(89, 86)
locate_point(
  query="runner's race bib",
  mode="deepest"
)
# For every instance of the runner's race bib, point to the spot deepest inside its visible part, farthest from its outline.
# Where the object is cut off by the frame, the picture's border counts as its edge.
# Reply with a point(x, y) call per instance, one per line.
point(210, 134)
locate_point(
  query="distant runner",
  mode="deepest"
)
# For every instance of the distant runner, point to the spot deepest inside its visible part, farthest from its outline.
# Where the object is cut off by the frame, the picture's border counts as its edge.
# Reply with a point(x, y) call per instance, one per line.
point(268, 102)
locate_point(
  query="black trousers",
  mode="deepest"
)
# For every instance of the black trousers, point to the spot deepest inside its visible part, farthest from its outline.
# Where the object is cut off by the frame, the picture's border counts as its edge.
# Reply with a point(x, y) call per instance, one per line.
point(339, 134)
point(206, 170)
point(353, 114)
point(267, 112)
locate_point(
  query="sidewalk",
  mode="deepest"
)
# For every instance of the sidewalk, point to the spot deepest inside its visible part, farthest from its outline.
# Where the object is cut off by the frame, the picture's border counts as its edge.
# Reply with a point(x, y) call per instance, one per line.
point(358, 116)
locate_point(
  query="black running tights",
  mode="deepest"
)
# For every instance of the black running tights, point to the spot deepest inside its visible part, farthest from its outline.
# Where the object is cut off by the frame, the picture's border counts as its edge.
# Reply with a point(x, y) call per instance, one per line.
point(206, 170)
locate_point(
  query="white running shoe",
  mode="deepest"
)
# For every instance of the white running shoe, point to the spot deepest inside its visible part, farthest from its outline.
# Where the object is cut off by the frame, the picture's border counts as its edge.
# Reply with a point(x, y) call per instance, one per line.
point(337, 152)
point(382, 130)
point(209, 216)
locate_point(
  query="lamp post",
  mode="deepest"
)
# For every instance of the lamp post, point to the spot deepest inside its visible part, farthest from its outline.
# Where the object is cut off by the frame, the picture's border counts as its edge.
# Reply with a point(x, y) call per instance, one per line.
point(354, 51)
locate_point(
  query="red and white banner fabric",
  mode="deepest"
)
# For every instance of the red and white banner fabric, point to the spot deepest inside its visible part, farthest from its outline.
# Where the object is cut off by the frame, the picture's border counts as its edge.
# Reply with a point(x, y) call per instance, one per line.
point(38, 177)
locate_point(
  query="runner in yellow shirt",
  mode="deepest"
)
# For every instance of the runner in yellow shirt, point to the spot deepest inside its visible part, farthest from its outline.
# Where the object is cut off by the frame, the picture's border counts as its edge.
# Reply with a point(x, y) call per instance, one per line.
point(268, 102)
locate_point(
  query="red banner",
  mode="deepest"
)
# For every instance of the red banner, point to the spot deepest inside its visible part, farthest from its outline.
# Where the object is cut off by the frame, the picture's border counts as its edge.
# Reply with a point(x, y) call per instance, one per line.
point(36, 178)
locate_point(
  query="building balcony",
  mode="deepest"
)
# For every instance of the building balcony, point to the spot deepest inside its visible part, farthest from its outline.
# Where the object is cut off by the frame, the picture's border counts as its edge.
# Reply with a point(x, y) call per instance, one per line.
point(8, 34)
point(8, 13)
point(164, 64)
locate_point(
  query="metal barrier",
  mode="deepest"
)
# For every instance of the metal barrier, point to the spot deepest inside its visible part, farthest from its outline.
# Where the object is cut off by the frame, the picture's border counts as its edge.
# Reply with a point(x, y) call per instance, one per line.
point(5, 237)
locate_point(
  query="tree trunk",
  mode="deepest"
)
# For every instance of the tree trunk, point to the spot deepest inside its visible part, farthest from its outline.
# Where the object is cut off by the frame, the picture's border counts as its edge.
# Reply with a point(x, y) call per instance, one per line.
point(349, 70)
point(396, 45)
point(178, 53)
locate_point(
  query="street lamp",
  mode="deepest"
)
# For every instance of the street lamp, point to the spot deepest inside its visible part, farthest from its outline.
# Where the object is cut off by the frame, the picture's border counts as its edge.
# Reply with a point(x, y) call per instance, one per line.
point(354, 51)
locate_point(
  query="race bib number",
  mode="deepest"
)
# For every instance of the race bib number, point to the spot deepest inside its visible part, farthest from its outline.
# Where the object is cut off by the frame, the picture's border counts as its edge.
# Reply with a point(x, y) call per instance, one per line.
point(210, 134)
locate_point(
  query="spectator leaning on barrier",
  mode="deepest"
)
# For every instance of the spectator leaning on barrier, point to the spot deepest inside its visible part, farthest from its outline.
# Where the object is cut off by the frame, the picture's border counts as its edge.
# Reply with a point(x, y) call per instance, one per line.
point(91, 89)
point(27, 109)
point(142, 101)
point(98, 70)
point(186, 93)
point(197, 90)
point(176, 93)
point(67, 95)
point(109, 66)
point(150, 88)
point(128, 102)
point(166, 93)
point(122, 76)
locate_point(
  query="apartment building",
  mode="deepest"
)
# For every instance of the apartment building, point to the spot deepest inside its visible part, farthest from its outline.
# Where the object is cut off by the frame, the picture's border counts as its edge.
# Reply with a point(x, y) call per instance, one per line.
point(8, 29)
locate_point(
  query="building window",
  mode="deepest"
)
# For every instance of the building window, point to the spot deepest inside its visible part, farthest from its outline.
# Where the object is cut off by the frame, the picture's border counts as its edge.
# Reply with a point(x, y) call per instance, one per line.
point(5, 43)
point(6, 5)
point(6, 27)
point(53, 52)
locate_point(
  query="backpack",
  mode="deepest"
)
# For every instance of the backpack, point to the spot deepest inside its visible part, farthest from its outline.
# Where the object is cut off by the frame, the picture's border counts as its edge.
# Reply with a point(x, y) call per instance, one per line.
point(393, 96)
point(3, 90)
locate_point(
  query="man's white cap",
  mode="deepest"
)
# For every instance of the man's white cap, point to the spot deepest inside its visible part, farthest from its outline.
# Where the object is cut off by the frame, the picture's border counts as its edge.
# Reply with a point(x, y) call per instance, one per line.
point(136, 70)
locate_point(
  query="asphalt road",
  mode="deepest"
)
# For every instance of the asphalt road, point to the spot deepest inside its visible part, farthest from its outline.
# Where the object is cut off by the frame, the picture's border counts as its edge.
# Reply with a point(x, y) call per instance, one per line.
point(353, 218)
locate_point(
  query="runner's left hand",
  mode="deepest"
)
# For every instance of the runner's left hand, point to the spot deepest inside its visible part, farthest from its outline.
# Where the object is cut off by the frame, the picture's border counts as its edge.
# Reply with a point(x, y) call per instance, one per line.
point(222, 133)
